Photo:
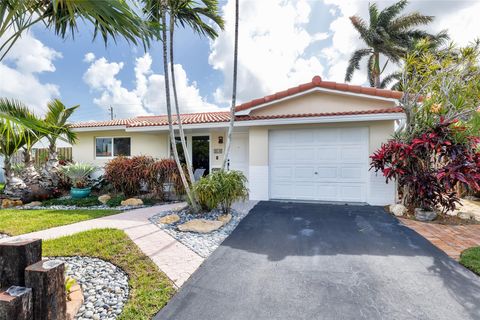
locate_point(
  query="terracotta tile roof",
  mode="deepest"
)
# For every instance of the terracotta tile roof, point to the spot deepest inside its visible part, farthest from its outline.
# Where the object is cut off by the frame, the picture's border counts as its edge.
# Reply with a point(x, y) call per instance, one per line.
point(317, 82)
point(323, 114)
point(218, 117)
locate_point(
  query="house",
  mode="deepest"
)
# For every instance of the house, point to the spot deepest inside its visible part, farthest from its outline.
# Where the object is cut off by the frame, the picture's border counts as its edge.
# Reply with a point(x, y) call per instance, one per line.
point(310, 142)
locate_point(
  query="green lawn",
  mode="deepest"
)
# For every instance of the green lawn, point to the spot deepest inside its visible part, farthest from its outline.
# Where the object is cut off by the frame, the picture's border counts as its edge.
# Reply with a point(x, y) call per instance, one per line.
point(470, 258)
point(150, 289)
point(15, 222)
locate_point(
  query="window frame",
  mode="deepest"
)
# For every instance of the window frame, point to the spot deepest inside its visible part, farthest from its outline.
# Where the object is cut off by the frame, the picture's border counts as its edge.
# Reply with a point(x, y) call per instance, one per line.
point(113, 146)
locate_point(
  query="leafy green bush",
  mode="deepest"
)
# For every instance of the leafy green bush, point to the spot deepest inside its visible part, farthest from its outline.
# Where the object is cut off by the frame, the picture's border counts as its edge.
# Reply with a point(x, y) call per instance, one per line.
point(84, 202)
point(115, 201)
point(221, 188)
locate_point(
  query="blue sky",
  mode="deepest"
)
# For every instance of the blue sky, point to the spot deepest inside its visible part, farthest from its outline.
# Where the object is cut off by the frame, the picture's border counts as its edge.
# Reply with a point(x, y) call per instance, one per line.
point(282, 43)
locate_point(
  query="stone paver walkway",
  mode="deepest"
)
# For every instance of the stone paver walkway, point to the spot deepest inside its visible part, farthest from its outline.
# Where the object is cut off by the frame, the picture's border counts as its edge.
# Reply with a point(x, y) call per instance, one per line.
point(176, 260)
point(451, 239)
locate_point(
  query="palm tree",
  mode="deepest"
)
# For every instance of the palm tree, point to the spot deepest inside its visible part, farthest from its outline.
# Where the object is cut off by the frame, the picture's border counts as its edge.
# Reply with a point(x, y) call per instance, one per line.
point(234, 91)
point(18, 128)
point(110, 18)
point(188, 13)
point(389, 34)
point(56, 121)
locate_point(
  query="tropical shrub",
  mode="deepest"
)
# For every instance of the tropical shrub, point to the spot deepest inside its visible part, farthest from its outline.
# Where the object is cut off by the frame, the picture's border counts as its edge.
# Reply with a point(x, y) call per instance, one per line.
point(428, 166)
point(221, 188)
point(83, 202)
point(130, 175)
point(78, 173)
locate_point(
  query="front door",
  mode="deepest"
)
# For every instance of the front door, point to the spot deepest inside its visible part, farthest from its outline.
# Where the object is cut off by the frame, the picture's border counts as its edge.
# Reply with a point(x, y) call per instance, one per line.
point(201, 153)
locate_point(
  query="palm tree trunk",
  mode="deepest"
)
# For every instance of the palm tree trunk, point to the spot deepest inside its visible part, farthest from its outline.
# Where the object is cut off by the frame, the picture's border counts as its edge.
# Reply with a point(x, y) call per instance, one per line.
point(14, 186)
point(177, 108)
point(234, 92)
point(50, 169)
point(169, 109)
point(376, 70)
point(29, 175)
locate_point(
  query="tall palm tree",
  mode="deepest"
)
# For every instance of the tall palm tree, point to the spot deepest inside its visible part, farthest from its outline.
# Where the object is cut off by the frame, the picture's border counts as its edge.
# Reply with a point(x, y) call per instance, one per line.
point(391, 34)
point(110, 18)
point(56, 121)
point(18, 128)
point(190, 13)
point(234, 91)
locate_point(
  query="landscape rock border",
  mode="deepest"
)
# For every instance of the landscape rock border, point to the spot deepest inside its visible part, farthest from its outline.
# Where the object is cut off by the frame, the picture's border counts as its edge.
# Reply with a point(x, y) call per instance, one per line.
point(201, 243)
point(104, 285)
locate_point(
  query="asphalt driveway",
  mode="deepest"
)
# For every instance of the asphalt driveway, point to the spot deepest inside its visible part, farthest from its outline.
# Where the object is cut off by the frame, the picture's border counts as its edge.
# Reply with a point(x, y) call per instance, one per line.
point(316, 261)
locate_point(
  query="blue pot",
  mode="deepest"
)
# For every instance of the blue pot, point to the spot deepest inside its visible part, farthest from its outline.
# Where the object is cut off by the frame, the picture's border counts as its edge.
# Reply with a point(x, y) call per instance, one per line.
point(79, 193)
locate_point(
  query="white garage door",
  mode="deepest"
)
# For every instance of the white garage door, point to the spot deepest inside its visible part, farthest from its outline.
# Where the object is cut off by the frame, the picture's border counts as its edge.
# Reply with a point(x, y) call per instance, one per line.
point(319, 164)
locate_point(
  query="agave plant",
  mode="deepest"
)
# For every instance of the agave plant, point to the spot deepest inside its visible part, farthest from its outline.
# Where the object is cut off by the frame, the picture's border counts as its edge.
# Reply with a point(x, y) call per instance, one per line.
point(78, 173)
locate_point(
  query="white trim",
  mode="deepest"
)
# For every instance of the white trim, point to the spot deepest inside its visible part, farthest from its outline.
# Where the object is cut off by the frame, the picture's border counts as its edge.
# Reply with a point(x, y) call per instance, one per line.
point(249, 123)
point(106, 128)
point(346, 93)
point(324, 119)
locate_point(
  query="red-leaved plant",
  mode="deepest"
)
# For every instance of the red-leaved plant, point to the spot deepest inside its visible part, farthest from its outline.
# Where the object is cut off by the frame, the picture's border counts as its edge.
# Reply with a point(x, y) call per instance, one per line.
point(429, 166)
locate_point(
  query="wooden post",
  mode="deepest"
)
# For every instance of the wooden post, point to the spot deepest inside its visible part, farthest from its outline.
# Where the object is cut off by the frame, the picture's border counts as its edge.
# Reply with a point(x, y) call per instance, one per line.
point(47, 280)
point(16, 303)
point(15, 256)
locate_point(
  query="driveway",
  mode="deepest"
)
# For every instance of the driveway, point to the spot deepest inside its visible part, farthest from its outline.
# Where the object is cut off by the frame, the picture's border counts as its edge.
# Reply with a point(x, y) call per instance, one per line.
point(319, 261)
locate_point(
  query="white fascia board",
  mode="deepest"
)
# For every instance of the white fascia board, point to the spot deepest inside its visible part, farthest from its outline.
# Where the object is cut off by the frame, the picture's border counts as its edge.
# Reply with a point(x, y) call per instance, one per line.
point(346, 93)
point(106, 128)
point(325, 119)
point(185, 126)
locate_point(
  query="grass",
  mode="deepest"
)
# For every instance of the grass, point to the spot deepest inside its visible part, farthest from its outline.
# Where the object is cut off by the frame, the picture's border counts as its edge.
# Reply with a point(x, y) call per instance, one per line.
point(14, 222)
point(470, 258)
point(150, 289)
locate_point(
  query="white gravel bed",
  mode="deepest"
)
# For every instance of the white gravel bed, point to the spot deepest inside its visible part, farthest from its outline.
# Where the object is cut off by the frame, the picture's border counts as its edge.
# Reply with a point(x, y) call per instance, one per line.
point(3, 236)
point(201, 243)
point(62, 207)
point(104, 285)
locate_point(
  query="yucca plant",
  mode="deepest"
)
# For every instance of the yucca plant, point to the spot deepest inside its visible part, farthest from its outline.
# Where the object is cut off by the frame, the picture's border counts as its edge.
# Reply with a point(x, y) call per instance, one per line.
point(78, 173)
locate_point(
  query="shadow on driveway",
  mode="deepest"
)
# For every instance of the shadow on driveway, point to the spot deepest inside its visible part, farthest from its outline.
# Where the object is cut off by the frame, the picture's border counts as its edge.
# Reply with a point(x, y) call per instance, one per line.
point(319, 261)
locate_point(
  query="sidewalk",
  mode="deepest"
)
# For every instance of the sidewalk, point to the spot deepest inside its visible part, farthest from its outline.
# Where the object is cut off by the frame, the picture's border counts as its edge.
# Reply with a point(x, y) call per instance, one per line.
point(173, 258)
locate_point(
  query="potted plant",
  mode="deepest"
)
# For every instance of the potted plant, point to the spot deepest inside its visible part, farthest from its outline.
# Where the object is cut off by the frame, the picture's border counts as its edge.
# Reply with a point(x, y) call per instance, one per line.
point(78, 173)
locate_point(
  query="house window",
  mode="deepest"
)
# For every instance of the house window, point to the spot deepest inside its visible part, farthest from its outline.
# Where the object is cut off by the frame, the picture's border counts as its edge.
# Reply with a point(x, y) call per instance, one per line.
point(108, 147)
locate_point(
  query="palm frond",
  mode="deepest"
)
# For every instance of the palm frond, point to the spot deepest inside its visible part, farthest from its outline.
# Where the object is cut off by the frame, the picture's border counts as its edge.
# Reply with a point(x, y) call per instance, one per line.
point(390, 78)
point(373, 13)
point(56, 119)
point(354, 62)
point(387, 14)
point(410, 20)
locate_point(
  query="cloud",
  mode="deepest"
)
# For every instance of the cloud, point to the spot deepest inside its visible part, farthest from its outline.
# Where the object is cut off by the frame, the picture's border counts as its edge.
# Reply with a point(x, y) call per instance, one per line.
point(459, 17)
point(148, 95)
point(89, 57)
point(272, 49)
point(20, 72)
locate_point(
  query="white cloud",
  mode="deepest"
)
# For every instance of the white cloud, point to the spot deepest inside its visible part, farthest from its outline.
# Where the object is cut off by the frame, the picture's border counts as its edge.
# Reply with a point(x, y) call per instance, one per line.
point(20, 69)
point(89, 57)
point(459, 17)
point(148, 96)
point(271, 48)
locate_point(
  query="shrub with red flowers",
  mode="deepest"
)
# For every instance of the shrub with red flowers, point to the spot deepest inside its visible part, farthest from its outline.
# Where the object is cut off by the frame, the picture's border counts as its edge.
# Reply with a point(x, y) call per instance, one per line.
point(428, 166)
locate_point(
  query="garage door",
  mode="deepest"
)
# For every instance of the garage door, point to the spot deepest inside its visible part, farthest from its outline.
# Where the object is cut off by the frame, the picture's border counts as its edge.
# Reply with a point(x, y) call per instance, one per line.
point(319, 164)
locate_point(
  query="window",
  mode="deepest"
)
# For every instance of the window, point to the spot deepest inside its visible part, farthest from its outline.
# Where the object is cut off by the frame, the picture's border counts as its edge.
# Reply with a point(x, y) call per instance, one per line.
point(108, 147)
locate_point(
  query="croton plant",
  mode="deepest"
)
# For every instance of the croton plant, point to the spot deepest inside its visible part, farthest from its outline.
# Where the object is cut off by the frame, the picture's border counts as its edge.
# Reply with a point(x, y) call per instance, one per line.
point(429, 165)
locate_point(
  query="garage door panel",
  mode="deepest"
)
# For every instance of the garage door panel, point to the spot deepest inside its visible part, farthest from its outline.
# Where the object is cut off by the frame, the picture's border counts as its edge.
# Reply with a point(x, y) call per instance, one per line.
point(319, 164)
point(304, 173)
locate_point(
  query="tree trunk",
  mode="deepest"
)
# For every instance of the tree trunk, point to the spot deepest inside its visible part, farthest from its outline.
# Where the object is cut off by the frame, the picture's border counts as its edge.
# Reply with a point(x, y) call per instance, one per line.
point(29, 175)
point(14, 186)
point(51, 167)
point(177, 108)
point(376, 70)
point(234, 92)
point(169, 109)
